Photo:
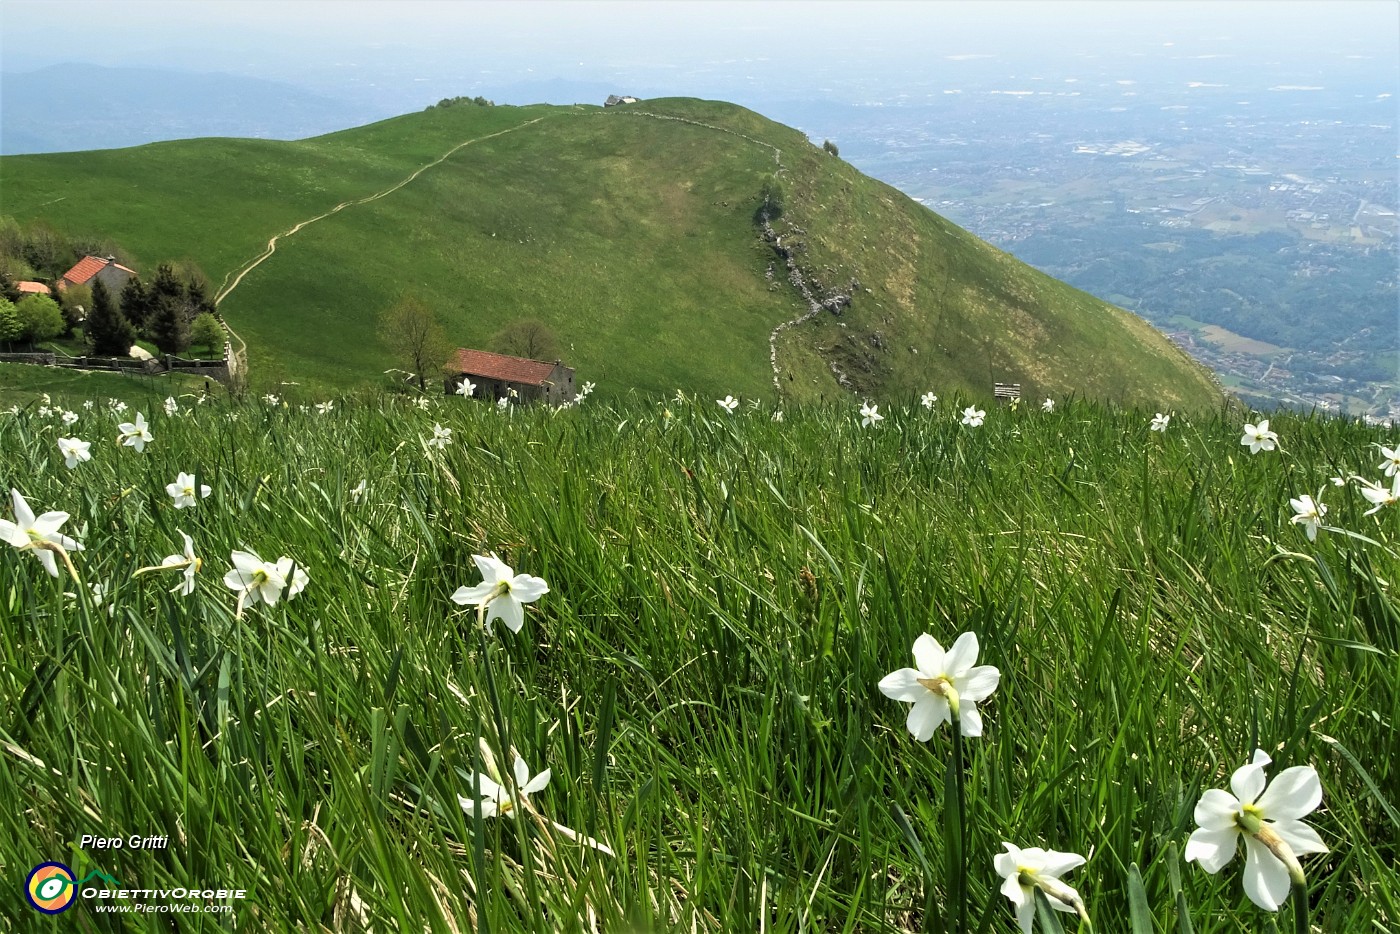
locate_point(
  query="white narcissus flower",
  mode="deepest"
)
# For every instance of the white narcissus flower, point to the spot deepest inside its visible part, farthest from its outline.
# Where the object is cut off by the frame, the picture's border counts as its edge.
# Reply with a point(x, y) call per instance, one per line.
point(1160, 421)
point(728, 403)
point(1309, 513)
point(973, 417)
point(74, 450)
point(1258, 437)
point(870, 415)
point(1268, 819)
point(324, 408)
point(271, 399)
point(495, 800)
point(466, 388)
point(1024, 871)
point(359, 490)
point(441, 438)
point(40, 535)
point(422, 402)
point(1391, 464)
point(944, 685)
point(262, 580)
point(1377, 495)
point(70, 417)
point(928, 399)
point(186, 562)
point(171, 406)
point(778, 415)
point(501, 593)
point(183, 491)
point(1048, 405)
point(135, 434)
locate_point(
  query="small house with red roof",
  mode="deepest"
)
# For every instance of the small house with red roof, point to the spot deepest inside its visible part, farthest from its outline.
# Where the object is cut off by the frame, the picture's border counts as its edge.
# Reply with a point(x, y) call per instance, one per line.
point(91, 269)
point(496, 375)
point(27, 287)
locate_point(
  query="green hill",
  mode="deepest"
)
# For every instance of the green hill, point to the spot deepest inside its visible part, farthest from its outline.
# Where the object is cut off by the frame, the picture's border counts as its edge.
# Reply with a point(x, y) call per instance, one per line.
point(633, 232)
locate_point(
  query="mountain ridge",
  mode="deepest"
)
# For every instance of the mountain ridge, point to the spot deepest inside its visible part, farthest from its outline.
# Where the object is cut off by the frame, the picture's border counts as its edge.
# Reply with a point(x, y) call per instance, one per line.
point(630, 226)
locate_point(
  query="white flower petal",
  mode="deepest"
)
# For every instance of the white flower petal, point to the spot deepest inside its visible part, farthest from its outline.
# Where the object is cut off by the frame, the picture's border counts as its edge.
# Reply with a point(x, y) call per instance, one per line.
point(47, 559)
point(1300, 837)
point(1057, 863)
point(24, 516)
point(537, 783)
point(1217, 810)
point(928, 656)
point(902, 685)
point(969, 719)
point(473, 596)
point(1213, 849)
point(1248, 781)
point(13, 534)
point(979, 683)
point(1265, 878)
point(1293, 793)
point(1006, 863)
point(507, 610)
point(927, 714)
point(527, 589)
point(962, 656)
point(493, 569)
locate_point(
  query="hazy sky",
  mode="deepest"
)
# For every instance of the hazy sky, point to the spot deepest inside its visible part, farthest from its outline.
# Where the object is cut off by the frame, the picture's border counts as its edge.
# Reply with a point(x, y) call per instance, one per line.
point(543, 31)
point(411, 49)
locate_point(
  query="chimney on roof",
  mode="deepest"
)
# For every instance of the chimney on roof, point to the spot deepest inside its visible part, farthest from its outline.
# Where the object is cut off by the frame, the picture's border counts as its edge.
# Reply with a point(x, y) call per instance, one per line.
point(111, 259)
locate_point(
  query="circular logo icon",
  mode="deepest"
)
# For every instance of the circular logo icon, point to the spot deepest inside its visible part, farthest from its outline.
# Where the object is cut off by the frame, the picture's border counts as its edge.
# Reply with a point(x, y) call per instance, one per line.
point(50, 888)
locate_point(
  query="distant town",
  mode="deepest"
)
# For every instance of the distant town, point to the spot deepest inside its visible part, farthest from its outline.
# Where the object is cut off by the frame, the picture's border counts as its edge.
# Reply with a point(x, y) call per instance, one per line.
point(1258, 230)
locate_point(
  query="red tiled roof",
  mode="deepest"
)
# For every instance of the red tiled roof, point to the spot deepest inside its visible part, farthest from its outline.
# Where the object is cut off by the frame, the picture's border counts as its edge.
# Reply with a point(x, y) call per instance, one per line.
point(89, 266)
point(37, 288)
point(499, 366)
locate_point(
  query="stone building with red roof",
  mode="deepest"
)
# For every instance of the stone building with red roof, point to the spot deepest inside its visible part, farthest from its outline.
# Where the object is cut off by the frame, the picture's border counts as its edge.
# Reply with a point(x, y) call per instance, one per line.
point(495, 375)
point(91, 269)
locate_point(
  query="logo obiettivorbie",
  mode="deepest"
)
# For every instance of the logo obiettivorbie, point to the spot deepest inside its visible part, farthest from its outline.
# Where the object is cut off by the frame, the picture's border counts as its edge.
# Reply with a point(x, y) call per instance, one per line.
point(50, 888)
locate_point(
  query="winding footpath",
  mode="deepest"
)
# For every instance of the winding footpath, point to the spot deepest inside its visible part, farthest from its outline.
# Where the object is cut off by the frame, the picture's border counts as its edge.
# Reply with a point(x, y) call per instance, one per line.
point(239, 346)
point(795, 276)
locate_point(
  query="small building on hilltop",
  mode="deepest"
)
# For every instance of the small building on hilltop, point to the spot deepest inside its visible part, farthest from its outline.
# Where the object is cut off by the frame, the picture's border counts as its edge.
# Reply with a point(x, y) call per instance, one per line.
point(91, 269)
point(613, 100)
point(496, 375)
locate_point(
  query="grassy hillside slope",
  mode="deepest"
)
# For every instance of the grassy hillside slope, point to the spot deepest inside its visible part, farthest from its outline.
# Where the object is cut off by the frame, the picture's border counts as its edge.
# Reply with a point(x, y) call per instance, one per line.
point(630, 231)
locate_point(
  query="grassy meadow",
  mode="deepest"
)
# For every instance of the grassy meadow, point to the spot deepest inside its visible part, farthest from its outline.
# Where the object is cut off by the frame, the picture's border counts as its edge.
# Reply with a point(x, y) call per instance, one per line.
point(725, 593)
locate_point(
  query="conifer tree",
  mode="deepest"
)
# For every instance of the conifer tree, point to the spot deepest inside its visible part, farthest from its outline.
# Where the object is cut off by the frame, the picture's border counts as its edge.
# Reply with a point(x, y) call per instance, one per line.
point(136, 303)
point(168, 326)
point(197, 299)
point(108, 332)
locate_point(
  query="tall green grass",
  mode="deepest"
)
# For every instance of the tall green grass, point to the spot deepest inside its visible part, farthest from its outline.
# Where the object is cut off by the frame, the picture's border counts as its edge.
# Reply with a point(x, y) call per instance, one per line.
point(725, 593)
